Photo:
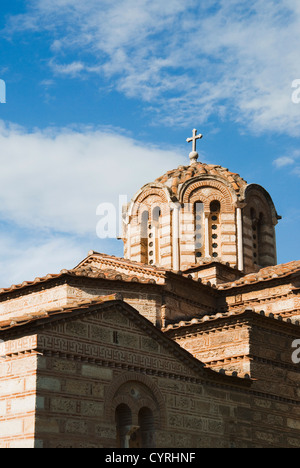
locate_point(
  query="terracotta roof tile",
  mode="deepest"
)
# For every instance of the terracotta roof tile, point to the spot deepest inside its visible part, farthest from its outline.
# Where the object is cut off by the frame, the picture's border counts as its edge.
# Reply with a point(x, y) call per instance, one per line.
point(184, 173)
point(265, 274)
point(211, 318)
point(136, 272)
point(15, 321)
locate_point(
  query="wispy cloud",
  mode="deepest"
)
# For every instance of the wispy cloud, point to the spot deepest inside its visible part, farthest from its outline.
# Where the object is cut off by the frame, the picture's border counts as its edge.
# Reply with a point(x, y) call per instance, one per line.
point(53, 180)
point(229, 58)
point(291, 161)
point(25, 259)
point(284, 161)
point(73, 69)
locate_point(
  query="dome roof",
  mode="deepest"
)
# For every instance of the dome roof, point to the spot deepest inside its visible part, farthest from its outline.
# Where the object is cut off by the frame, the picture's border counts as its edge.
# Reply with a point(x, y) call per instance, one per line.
point(177, 177)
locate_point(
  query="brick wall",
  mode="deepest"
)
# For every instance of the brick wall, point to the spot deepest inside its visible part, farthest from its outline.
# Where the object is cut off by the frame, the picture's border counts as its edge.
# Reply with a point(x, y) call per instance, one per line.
point(83, 376)
point(87, 364)
point(28, 300)
point(18, 401)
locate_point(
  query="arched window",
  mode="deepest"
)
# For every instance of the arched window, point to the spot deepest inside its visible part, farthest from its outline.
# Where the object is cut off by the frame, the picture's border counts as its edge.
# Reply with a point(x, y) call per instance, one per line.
point(199, 230)
point(260, 242)
point(144, 236)
point(255, 236)
point(262, 233)
point(154, 243)
point(123, 423)
point(147, 429)
point(151, 236)
point(215, 229)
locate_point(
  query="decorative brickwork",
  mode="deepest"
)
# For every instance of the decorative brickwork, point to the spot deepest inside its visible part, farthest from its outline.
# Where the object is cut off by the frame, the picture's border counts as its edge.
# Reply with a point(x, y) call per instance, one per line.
point(247, 217)
point(187, 342)
point(69, 390)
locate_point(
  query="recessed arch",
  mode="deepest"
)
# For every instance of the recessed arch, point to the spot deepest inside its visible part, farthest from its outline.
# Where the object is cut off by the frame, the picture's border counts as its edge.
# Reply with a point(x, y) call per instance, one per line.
point(150, 397)
point(150, 196)
point(196, 188)
point(254, 191)
point(260, 218)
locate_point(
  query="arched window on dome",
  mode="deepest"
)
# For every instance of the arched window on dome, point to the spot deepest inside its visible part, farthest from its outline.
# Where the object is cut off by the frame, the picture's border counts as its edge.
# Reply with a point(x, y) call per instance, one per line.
point(155, 240)
point(199, 230)
point(260, 229)
point(215, 229)
point(256, 228)
point(144, 236)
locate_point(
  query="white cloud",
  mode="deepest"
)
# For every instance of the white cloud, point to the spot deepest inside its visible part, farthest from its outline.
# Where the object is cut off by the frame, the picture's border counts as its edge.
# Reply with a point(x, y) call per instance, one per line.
point(284, 161)
point(51, 183)
point(227, 57)
point(55, 179)
point(289, 161)
point(73, 68)
point(28, 259)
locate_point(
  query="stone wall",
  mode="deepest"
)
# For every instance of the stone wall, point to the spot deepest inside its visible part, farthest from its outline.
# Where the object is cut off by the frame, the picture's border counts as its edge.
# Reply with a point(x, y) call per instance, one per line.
point(276, 297)
point(178, 299)
point(247, 343)
point(85, 365)
point(272, 366)
point(83, 375)
point(32, 300)
point(220, 344)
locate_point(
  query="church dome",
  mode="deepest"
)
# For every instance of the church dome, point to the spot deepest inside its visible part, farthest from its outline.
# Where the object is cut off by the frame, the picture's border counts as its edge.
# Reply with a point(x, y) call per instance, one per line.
point(176, 178)
point(201, 213)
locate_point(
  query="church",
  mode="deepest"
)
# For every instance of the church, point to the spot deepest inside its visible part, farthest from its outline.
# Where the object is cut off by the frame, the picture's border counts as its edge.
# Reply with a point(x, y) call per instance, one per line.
point(188, 341)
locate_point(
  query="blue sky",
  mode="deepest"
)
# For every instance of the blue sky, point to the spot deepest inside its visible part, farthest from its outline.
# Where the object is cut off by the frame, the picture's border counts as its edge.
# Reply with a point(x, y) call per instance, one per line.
point(101, 96)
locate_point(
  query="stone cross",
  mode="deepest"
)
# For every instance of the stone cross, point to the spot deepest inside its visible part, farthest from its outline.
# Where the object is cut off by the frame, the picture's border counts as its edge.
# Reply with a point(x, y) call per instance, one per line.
point(194, 155)
point(194, 139)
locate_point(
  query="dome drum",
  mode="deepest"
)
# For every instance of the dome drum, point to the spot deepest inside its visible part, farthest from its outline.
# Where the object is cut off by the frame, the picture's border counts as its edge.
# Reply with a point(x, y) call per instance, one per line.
point(201, 213)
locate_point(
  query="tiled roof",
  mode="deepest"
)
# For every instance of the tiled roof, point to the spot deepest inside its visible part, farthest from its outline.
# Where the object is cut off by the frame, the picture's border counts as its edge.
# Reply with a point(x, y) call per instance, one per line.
point(131, 266)
point(110, 274)
point(183, 173)
point(119, 269)
point(101, 274)
point(136, 272)
point(25, 284)
point(265, 274)
point(185, 325)
point(17, 321)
